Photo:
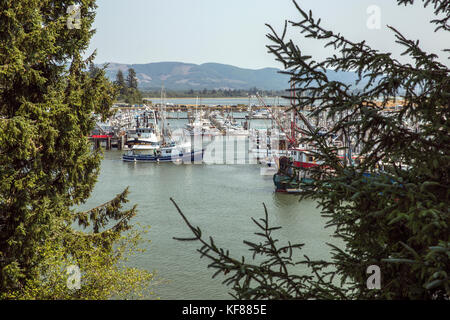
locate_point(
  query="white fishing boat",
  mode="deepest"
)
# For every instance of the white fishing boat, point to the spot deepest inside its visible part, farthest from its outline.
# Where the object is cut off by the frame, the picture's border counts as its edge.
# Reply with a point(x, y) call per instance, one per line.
point(143, 136)
point(160, 147)
point(171, 152)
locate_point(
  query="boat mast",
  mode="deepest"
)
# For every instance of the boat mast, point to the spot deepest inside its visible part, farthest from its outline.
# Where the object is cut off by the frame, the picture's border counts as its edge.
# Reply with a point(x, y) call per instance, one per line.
point(274, 117)
point(293, 111)
point(196, 107)
point(249, 111)
point(161, 113)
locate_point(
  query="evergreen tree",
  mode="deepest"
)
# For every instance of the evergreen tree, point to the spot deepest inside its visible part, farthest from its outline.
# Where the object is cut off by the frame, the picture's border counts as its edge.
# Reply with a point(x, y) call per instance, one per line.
point(132, 81)
point(133, 96)
point(46, 163)
point(396, 217)
point(120, 83)
point(132, 93)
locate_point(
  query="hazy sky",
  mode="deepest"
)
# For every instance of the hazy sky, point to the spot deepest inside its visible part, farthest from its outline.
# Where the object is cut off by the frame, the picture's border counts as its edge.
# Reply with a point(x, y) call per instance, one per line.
point(234, 32)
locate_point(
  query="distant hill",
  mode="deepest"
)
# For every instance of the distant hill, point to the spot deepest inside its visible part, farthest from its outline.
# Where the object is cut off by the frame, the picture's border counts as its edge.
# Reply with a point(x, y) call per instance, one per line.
point(185, 76)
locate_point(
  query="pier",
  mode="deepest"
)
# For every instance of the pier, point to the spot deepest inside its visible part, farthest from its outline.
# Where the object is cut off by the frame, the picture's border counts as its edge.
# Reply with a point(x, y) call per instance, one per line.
point(113, 133)
point(172, 109)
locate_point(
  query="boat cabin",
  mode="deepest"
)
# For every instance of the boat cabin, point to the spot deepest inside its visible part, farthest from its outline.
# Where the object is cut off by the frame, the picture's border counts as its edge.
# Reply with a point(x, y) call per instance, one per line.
point(302, 158)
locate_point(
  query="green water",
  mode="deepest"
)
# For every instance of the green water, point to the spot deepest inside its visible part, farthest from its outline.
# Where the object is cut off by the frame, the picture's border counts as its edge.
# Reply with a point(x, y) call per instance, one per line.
point(221, 199)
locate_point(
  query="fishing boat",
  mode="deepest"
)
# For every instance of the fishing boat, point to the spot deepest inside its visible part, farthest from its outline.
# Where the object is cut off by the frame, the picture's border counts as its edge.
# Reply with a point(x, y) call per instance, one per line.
point(159, 146)
point(262, 114)
point(288, 179)
point(201, 126)
point(172, 152)
point(145, 133)
point(302, 158)
point(143, 136)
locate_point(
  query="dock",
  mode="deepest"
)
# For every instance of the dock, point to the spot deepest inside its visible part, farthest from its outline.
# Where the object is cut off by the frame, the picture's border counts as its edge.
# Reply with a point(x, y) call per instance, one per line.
point(113, 133)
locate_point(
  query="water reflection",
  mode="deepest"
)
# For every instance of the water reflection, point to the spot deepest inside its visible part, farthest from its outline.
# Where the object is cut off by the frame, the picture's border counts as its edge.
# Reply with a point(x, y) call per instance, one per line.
point(283, 200)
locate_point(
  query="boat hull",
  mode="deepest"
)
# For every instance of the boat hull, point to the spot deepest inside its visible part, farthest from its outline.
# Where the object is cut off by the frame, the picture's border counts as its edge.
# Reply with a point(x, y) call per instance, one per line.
point(193, 156)
point(288, 184)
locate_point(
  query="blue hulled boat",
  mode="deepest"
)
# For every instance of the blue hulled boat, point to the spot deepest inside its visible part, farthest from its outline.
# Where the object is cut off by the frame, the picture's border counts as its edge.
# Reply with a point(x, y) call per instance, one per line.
point(169, 153)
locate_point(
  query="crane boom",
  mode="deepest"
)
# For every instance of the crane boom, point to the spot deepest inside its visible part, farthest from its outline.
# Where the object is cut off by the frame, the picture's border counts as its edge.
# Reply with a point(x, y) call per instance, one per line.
point(261, 100)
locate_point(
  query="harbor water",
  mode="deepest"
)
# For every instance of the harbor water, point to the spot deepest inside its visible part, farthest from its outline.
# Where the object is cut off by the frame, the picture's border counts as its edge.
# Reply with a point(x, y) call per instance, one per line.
point(219, 198)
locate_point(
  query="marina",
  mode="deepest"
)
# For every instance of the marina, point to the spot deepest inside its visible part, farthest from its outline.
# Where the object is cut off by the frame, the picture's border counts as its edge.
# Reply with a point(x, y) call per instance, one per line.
point(119, 129)
point(250, 162)
point(237, 165)
point(269, 136)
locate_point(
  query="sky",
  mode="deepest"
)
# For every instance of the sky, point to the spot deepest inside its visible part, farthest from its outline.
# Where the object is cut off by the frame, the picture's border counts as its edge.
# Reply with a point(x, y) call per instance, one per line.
point(234, 31)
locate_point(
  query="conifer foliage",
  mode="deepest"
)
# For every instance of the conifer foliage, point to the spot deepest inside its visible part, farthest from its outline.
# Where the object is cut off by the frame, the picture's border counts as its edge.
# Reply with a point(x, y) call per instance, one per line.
point(47, 98)
point(128, 88)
